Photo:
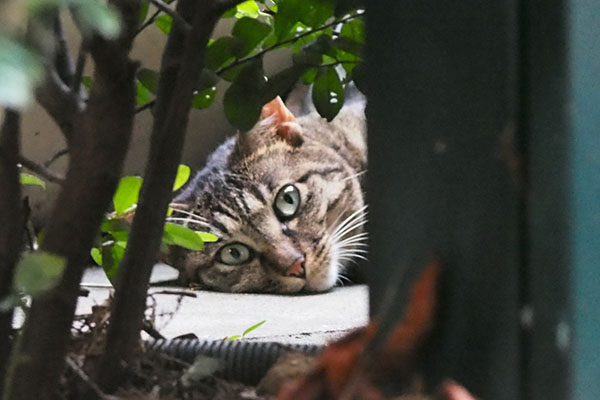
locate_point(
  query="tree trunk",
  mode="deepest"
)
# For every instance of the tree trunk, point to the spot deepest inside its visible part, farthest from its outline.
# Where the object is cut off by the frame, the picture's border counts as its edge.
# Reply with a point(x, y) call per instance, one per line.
point(182, 63)
point(98, 147)
point(11, 229)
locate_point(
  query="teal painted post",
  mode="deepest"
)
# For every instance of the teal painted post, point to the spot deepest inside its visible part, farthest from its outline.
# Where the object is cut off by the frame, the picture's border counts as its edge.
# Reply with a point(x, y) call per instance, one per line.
point(584, 65)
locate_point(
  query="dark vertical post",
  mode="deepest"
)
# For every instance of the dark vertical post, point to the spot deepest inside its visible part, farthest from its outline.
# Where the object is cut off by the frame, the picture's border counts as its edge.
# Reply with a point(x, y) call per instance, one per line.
point(563, 119)
point(545, 93)
point(444, 175)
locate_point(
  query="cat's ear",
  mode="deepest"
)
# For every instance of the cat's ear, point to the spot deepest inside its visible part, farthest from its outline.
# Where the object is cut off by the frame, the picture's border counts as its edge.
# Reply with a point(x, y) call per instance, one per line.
point(277, 116)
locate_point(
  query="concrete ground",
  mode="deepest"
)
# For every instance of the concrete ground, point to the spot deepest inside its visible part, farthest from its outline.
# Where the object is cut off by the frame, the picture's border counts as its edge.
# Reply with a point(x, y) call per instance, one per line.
point(310, 319)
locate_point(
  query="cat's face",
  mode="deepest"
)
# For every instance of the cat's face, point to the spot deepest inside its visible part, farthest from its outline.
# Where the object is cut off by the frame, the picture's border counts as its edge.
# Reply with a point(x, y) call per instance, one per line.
point(288, 214)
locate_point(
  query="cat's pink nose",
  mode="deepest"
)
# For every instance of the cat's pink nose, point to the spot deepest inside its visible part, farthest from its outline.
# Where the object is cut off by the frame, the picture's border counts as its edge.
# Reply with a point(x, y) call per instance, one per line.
point(297, 269)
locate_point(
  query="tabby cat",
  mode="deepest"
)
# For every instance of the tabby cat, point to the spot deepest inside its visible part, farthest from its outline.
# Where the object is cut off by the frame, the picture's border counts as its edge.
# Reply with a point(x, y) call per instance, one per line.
point(285, 201)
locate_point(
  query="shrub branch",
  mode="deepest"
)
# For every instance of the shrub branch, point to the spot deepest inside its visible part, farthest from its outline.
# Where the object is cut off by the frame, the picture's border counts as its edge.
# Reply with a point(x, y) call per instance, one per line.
point(11, 229)
point(97, 155)
point(181, 65)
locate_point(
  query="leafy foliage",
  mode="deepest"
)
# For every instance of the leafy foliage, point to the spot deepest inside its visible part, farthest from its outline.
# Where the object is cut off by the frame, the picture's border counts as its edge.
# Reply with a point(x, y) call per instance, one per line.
point(29, 179)
point(325, 49)
point(38, 272)
point(325, 38)
point(21, 69)
point(116, 227)
point(247, 331)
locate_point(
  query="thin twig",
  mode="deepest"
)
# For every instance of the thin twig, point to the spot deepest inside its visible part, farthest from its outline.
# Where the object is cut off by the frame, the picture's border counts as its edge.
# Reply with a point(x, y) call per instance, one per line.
point(86, 379)
point(55, 97)
point(40, 170)
point(338, 62)
point(56, 156)
point(78, 75)
point(176, 293)
point(176, 17)
point(62, 57)
point(150, 104)
point(284, 42)
point(144, 107)
point(148, 22)
point(151, 330)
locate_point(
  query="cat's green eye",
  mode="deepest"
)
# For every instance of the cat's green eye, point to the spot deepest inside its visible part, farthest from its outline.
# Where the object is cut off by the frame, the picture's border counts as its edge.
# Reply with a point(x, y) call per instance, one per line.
point(235, 254)
point(287, 202)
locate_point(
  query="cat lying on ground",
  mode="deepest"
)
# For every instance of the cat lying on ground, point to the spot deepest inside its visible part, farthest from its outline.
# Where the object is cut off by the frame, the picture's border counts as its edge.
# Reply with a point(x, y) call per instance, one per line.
point(284, 199)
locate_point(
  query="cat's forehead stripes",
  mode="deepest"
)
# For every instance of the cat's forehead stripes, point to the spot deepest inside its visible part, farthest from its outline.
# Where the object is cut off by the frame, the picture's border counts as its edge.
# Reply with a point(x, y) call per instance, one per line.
point(321, 170)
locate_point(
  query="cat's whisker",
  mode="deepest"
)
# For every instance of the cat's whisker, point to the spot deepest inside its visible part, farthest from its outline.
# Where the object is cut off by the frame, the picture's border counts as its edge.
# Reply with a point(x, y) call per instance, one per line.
point(341, 280)
point(349, 228)
point(348, 225)
point(354, 175)
point(350, 250)
point(187, 221)
point(360, 212)
point(353, 252)
point(333, 224)
point(352, 244)
point(191, 214)
point(352, 259)
point(358, 238)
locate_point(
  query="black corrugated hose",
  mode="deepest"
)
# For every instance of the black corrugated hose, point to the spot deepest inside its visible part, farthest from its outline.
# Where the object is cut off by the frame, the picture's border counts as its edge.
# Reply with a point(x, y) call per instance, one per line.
point(246, 362)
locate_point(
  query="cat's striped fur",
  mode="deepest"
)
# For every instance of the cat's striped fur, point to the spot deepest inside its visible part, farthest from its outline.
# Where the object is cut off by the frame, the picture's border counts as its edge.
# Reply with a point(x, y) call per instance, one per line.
point(304, 162)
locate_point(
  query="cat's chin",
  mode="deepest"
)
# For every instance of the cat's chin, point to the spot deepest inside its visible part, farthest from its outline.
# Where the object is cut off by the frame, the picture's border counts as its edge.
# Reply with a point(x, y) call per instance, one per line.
point(324, 280)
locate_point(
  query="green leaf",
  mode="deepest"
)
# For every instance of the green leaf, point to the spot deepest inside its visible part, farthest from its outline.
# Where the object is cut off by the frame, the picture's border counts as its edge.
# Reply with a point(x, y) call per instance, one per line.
point(207, 79)
point(247, 9)
point(354, 29)
point(148, 78)
point(231, 73)
point(111, 257)
point(307, 40)
point(253, 327)
point(243, 100)
point(20, 72)
point(115, 225)
point(312, 13)
point(282, 82)
point(127, 193)
point(347, 45)
point(143, 12)
point(309, 76)
point(251, 32)
point(204, 98)
point(120, 236)
point(232, 338)
point(328, 93)
point(38, 272)
point(229, 13)
point(164, 23)
point(87, 81)
point(96, 255)
point(143, 94)
point(207, 237)
point(222, 51)
point(183, 174)
point(28, 179)
point(92, 16)
point(316, 12)
point(312, 54)
point(182, 236)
